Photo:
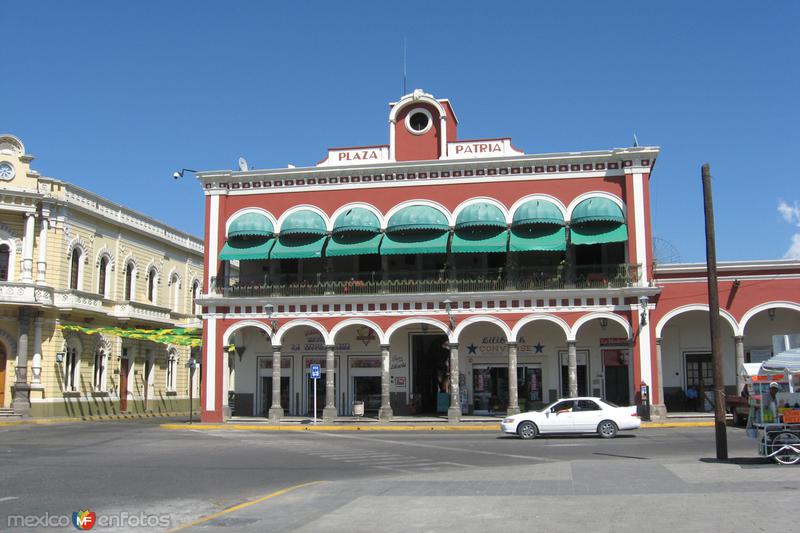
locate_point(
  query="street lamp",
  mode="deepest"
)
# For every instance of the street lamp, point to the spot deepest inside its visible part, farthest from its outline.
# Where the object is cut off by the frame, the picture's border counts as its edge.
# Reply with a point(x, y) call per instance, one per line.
point(179, 173)
point(269, 308)
point(643, 301)
point(448, 305)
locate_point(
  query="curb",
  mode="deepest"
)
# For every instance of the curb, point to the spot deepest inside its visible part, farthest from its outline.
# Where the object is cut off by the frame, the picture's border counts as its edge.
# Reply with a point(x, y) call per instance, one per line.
point(97, 418)
point(407, 427)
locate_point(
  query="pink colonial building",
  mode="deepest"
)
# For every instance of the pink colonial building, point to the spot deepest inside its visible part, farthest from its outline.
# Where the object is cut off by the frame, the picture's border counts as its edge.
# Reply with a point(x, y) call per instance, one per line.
point(439, 275)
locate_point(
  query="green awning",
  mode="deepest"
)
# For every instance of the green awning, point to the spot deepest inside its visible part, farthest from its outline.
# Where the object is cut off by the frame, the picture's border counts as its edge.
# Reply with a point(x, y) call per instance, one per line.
point(304, 222)
point(353, 243)
point(598, 233)
point(479, 240)
point(246, 249)
point(480, 215)
point(597, 209)
point(357, 219)
point(538, 239)
point(537, 212)
point(298, 247)
point(251, 224)
point(417, 217)
point(427, 242)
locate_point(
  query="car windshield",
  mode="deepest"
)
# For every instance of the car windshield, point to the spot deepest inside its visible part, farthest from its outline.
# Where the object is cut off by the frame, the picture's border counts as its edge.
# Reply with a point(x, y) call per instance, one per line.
point(609, 403)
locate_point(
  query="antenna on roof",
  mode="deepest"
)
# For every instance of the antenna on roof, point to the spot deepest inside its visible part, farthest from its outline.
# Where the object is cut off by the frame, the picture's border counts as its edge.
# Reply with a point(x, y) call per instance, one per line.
point(243, 164)
point(404, 67)
point(635, 141)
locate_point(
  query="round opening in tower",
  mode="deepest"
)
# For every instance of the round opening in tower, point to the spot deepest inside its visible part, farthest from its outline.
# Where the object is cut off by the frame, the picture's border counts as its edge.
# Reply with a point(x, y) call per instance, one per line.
point(419, 121)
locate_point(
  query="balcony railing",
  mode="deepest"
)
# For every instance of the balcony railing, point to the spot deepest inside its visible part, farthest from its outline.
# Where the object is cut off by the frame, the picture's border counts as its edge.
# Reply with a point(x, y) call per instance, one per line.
point(428, 281)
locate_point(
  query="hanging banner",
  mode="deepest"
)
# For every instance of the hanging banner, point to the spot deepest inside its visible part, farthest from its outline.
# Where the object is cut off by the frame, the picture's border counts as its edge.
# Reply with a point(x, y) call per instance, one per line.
point(178, 336)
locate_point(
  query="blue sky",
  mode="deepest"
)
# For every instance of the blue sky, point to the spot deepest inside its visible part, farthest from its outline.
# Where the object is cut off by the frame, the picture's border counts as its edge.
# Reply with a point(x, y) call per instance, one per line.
point(114, 96)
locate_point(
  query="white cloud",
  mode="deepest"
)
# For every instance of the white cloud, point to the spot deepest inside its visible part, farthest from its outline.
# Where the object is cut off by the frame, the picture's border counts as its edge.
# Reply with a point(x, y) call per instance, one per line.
point(794, 250)
point(790, 213)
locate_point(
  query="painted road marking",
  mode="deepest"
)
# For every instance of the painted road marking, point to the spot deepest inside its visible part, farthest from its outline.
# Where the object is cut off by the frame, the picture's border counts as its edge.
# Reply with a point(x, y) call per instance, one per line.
point(9, 498)
point(243, 505)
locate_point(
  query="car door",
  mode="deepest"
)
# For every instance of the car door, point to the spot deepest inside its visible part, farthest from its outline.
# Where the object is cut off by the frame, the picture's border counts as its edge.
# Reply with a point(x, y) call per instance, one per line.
point(558, 418)
point(586, 415)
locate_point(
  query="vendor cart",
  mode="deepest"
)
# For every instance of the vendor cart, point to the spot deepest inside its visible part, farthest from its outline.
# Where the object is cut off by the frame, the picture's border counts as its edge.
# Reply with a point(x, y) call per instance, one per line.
point(775, 419)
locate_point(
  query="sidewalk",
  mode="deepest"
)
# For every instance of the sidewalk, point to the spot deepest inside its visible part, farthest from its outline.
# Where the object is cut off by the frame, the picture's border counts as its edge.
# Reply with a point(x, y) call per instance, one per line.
point(94, 418)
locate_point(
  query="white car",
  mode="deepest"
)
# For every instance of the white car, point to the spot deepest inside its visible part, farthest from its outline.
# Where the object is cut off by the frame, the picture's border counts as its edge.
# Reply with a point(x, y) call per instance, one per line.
point(574, 415)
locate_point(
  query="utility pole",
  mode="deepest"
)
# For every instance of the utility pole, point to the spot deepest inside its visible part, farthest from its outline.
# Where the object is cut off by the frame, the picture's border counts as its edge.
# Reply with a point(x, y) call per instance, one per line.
point(720, 430)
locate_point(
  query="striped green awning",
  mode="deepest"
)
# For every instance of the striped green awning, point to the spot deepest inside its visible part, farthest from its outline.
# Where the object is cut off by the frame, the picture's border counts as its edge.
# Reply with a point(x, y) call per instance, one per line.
point(597, 209)
point(251, 224)
point(246, 249)
point(480, 215)
point(479, 239)
point(417, 218)
point(357, 219)
point(304, 222)
point(420, 242)
point(362, 243)
point(308, 247)
point(538, 239)
point(537, 212)
point(598, 233)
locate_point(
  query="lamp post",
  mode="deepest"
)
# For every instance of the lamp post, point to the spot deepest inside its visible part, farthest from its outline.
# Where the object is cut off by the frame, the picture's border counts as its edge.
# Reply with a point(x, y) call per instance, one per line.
point(179, 173)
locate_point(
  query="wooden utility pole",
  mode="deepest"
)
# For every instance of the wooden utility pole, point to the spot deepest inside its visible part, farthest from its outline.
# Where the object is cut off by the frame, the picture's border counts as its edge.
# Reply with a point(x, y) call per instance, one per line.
point(713, 317)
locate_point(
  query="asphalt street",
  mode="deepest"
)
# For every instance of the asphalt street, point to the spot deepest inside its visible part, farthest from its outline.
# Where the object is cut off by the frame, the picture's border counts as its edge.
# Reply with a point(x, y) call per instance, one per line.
point(647, 480)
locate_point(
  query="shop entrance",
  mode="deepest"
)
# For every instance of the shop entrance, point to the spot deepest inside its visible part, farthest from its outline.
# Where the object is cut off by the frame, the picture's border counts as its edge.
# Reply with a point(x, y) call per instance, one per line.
point(490, 388)
point(699, 382)
point(615, 364)
point(265, 385)
point(309, 385)
point(365, 382)
point(123, 381)
point(430, 374)
point(583, 373)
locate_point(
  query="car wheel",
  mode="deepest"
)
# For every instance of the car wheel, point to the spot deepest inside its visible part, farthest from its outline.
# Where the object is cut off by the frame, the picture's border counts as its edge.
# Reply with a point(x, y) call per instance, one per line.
point(527, 430)
point(607, 429)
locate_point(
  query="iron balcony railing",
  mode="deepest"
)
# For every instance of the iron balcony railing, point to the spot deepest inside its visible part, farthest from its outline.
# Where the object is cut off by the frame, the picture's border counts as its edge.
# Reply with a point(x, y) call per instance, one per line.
point(428, 281)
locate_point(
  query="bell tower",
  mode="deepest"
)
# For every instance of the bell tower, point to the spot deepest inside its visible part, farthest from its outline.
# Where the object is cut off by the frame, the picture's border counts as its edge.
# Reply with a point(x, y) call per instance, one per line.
point(420, 127)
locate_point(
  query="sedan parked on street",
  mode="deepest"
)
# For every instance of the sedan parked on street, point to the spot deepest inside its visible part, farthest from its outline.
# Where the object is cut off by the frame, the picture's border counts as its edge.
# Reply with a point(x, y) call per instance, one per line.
point(573, 415)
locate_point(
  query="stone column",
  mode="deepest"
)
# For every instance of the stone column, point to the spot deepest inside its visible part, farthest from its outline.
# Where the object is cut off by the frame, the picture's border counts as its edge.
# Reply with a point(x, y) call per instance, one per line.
point(27, 248)
point(276, 411)
point(739, 344)
point(22, 392)
point(454, 411)
point(513, 393)
point(572, 369)
point(41, 266)
point(36, 365)
point(659, 410)
point(329, 411)
point(385, 412)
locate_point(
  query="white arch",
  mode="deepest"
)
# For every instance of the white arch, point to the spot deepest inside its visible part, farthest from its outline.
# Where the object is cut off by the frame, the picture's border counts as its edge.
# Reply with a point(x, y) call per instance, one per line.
point(303, 207)
point(382, 339)
point(482, 200)
point(420, 320)
point(414, 99)
point(763, 307)
point(545, 197)
point(278, 338)
point(694, 307)
point(429, 203)
point(594, 194)
point(73, 340)
point(524, 321)
point(592, 316)
point(104, 251)
point(247, 210)
point(369, 207)
point(226, 337)
point(10, 344)
point(487, 319)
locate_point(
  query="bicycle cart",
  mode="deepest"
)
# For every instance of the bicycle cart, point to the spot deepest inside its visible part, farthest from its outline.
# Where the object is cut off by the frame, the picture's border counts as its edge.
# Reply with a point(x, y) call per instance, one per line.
point(775, 416)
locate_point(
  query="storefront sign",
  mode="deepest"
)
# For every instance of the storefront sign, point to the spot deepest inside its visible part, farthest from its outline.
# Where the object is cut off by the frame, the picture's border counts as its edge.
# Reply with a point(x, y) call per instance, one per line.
point(365, 335)
point(498, 344)
point(613, 341)
point(354, 156)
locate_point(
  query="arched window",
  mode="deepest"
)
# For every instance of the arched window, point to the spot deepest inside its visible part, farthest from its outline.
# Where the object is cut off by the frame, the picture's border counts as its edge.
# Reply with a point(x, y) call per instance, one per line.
point(172, 367)
point(129, 281)
point(195, 294)
point(5, 255)
point(151, 286)
point(71, 371)
point(74, 269)
point(101, 284)
point(99, 379)
point(175, 295)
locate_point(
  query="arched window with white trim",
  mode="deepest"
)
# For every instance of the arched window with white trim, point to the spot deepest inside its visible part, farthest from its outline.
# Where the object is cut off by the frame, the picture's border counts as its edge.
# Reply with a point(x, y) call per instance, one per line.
point(152, 289)
point(130, 287)
point(75, 269)
point(195, 295)
point(72, 362)
point(102, 276)
point(99, 372)
point(174, 293)
point(172, 370)
point(5, 261)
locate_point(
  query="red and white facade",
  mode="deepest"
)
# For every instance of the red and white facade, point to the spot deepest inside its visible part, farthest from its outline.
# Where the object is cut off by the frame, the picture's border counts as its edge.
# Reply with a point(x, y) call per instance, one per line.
point(484, 340)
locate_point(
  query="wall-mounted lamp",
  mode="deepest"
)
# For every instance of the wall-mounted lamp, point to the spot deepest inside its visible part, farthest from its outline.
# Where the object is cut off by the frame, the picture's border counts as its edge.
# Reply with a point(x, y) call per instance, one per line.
point(603, 322)
point(448, 308)
point(273, 324)
point(179, 173)
point(643, 301)
point(771, 313)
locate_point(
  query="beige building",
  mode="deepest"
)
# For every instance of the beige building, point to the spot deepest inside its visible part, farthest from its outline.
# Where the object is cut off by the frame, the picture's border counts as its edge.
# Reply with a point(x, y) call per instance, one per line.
point(71, 258)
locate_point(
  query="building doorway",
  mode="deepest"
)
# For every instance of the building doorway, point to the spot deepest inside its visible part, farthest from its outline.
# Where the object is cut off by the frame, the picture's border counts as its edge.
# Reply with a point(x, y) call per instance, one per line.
point(617, 382)
point(583, 373)
point(308, 384)
point(123, 381)
point(699, 382)
point(265, 385)
point(365, 382)
point(3, 361)
point(430, 374)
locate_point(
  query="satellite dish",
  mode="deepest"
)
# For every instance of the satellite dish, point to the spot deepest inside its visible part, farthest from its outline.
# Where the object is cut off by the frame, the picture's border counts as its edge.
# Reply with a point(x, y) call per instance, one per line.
point(243, 164)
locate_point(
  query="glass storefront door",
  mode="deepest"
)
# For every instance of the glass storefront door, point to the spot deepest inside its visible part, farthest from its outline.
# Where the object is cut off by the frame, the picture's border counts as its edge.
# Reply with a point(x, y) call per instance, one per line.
point(266, 394)
point(490, 388)
point(365, 382)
